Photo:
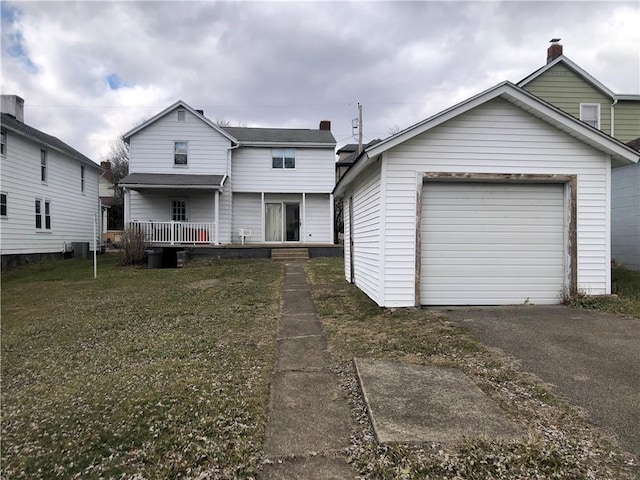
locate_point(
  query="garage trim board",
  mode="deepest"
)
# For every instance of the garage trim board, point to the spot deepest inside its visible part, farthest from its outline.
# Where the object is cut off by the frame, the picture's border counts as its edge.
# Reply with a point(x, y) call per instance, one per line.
point(569, 247)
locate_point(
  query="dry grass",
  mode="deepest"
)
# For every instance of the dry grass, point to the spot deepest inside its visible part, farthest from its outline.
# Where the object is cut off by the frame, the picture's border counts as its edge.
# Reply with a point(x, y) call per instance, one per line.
point(561, 443)
point(138, 374)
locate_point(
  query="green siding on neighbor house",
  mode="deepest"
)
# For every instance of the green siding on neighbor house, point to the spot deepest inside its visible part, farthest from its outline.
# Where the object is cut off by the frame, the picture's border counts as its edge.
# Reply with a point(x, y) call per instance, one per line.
point(563, 88)
point(627, 120)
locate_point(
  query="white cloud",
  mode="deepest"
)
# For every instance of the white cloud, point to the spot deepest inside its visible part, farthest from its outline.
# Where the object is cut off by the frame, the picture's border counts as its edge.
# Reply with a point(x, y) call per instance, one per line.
point(292, 64)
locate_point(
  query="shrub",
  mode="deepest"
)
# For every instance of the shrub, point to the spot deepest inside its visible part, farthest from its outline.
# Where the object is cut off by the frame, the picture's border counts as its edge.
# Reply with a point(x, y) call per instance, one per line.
point(134, 247)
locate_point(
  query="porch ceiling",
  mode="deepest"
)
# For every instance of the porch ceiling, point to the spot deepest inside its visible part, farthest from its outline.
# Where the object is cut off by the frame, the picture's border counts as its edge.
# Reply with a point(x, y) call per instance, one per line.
point(139, 181)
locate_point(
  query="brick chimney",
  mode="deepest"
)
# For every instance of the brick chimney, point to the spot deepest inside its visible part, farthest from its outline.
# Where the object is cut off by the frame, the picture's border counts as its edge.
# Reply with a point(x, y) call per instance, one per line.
point(554, 50)
point(14, 106)
point(325, 125)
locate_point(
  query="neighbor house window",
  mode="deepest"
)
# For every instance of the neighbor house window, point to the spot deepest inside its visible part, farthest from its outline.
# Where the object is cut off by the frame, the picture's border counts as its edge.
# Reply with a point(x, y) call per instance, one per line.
point(180, 153)
point(43, 214)
point(3, 204)
point(3, 142)
point(590, 114)
point(43, 165)
point(283, 158)
point(181, 115)
point(82, 178)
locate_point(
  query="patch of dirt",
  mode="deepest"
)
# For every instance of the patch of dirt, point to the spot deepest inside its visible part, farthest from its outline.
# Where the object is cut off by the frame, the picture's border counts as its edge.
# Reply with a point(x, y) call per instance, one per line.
point(203, 284)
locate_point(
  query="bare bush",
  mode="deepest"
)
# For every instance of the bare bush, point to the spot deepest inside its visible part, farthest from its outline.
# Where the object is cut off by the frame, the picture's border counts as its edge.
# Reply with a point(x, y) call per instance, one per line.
point(134, 247)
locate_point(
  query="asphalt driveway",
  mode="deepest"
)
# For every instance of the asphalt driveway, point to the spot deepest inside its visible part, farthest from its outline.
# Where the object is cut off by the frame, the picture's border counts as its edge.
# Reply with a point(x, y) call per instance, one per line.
point(591, 358)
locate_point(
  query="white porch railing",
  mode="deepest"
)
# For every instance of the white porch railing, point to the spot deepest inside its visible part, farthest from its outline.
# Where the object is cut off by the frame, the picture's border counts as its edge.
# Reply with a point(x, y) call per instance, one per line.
point(176, 232)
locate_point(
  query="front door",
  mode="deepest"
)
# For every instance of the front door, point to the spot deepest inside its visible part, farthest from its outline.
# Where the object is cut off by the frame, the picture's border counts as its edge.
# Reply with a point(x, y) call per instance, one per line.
point(282, 222)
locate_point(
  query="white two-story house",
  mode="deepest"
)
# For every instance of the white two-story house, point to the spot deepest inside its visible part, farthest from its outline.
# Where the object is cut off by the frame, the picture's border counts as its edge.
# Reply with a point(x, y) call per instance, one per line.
point(193, 182)
point(48, 192)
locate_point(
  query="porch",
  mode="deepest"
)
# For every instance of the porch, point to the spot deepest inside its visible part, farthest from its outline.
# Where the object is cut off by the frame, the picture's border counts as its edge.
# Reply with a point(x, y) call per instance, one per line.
point(176, 233)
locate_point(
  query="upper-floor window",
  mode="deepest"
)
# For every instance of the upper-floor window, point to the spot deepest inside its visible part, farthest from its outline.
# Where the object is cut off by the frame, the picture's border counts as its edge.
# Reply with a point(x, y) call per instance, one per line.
point(43, 165)
point(283, 158)
point(180, 153)
point(3, 204)
point(590, 114)
point(43, 214)
point(181, 115)
point(82, 178)
point(3, 142)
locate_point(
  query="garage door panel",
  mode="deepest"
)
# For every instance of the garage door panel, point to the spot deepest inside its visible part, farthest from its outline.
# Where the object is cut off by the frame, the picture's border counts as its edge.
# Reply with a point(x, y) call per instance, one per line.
point(488, 244)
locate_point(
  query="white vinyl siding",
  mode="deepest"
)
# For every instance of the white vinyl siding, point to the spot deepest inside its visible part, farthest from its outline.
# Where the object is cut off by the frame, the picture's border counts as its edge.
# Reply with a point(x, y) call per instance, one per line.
point(317, 219)
point(492, 244)
point(366, 233)
point(71, 211)
point(496, 137)
point(625, 216)
point(157, 206)
point(313, 173)
point(247, 214)
point(152, 149)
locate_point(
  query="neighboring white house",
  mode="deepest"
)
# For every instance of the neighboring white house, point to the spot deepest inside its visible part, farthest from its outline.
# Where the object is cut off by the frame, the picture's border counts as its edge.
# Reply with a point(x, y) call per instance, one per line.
point(193, 182)
point(48, 191)
point(625, 213)
point(501, 199)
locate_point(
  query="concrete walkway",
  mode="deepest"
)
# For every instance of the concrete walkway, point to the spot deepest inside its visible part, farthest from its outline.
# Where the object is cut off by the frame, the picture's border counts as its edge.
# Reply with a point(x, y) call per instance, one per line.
point(309, 423)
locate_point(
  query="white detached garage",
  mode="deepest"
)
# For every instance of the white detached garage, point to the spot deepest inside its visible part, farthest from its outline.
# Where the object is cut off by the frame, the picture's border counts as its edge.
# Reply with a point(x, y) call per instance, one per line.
point(501, 199)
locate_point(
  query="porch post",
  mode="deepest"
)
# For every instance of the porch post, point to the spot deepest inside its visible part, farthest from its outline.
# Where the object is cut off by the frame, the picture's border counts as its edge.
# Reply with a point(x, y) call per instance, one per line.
point(216, 215)
point(127, 205)
point(304, 218)
point(263, 220)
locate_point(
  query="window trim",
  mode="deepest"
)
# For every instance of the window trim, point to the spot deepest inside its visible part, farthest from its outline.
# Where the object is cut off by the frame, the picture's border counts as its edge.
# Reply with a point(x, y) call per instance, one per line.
point(44, 166)
point(4, 204)
point(3, 142)
point(582, 107)
point(185, 200)
point(43, 215)
point(182, 115)
point(282, 158)
point(175, 154)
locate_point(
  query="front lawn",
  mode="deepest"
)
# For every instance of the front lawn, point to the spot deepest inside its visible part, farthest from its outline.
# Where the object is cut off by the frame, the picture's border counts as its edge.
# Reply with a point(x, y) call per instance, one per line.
point(561, 443)
point(138, 374)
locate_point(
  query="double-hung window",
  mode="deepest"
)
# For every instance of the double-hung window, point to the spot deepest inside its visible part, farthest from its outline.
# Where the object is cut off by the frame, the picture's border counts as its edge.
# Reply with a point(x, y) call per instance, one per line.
point(590, 114)
point(43, 166)
point(43, 214)
point(283, 158)
point(82, 178)
point(3, 142)
point(3, 204)
point(179, 211)
point(180, 153)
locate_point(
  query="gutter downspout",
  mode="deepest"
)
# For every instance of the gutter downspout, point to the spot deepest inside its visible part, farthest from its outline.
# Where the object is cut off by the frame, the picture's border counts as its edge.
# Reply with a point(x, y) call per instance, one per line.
point(613, 116)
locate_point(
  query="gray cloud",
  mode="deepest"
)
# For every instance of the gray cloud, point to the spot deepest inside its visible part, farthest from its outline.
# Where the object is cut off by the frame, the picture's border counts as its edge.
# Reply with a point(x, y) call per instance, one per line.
point(292, 64)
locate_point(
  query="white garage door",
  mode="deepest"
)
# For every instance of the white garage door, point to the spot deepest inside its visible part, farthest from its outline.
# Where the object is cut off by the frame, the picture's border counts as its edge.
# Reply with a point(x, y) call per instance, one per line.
point(492, 244)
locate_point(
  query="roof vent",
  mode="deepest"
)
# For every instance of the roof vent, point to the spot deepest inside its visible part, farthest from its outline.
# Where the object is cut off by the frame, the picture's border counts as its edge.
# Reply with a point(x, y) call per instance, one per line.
point(201, 112)
point(325, 125)
point(554, 50)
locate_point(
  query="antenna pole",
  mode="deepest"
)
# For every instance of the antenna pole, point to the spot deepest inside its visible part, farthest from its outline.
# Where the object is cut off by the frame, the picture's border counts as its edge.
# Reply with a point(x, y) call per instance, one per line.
point(359, 128)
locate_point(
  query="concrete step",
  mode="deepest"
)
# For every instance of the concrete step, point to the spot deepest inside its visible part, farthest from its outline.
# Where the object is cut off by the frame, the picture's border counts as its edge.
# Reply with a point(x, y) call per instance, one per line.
point(290, 254)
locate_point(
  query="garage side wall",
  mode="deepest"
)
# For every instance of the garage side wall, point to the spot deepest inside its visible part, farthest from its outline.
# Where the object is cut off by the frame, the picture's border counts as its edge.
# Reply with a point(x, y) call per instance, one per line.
point(499, 138)
point(366, 234)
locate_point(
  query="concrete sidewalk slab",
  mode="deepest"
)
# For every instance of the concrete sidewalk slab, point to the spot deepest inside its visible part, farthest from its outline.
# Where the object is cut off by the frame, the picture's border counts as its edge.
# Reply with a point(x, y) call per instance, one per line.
point(308, 413)
point(297, 301)
point(302, 353)
point(313, 468)
point(300, 324)
point(415, 403)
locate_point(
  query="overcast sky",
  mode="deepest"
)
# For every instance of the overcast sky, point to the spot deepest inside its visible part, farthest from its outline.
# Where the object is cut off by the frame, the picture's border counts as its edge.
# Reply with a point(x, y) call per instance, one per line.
point(89, 71)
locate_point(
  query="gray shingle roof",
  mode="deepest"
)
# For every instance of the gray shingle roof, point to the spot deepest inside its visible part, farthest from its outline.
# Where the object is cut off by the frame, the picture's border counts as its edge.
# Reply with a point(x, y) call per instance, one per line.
point(281, 135)
point(10, 123)
point(169, 179)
